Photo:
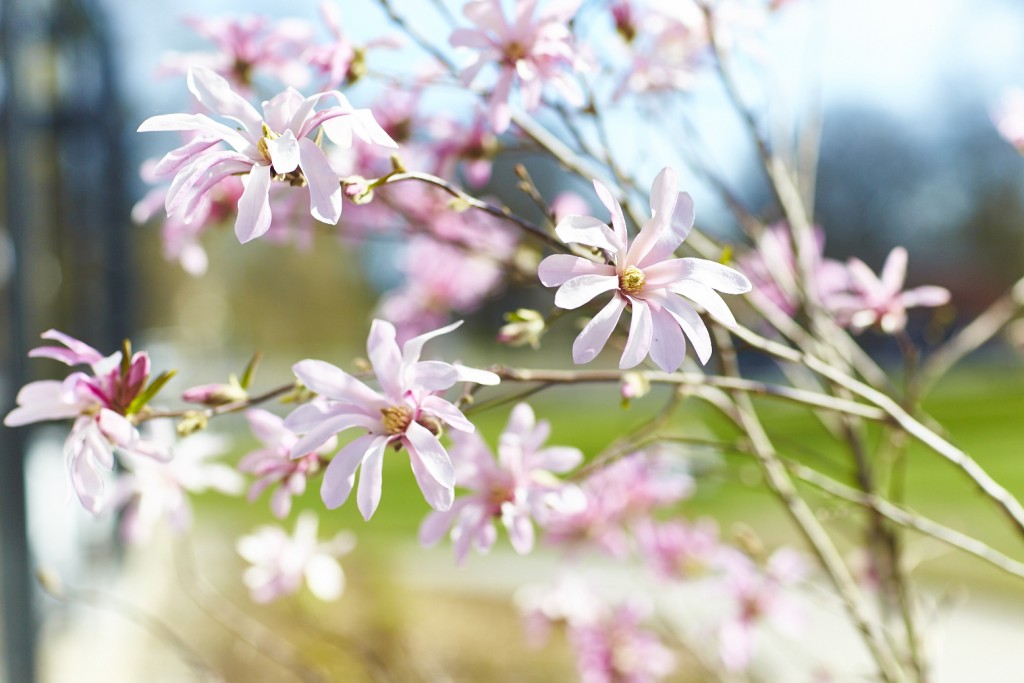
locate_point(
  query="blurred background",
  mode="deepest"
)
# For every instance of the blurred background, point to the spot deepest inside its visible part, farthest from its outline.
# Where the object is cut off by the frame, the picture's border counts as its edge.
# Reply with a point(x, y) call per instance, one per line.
point(908, 155)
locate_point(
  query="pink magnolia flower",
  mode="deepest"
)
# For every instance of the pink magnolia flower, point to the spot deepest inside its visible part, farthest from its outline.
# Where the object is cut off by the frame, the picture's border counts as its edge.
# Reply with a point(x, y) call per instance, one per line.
point(676, 549)
point(151, 490)
point(760, 595)
point(1008, 117)
point(473, 146)
point(100, 404)
point(340, 60)
point(644, 277)
point(273, 465)
point(408, 413)
point(617, 496)
point(281, 562)
point(668, 50)
point(533, 49)
point(274, 145)
point(246, 46)
point(518, 488)
point(773, 270)
point(878, 300)
point(617, 648)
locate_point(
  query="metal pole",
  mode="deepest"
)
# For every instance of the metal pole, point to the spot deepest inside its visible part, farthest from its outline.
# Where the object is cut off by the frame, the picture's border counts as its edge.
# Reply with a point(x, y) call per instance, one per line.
point(19, 627)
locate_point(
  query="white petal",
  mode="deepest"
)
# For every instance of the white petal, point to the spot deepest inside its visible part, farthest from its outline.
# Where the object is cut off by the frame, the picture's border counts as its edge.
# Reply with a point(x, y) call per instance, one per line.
point(579, 290)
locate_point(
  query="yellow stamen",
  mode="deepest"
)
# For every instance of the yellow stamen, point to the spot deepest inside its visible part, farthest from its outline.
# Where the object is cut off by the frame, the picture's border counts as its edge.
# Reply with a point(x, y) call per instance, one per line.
point(395, 419)
point(632, 280)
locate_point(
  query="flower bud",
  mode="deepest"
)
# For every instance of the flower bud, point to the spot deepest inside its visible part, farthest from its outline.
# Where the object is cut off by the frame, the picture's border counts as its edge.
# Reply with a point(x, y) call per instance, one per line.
point(215, 394)
point(524, 326)
point(634, 385)
point(191, 422)
point(357, 188)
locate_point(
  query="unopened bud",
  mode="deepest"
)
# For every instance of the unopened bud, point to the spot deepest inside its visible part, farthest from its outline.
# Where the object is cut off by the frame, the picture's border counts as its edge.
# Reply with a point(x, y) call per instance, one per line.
point(431, 423)
point(524, 326)
point(191, 422)
point(357, 188)
point(634, 385)
point(215, 394)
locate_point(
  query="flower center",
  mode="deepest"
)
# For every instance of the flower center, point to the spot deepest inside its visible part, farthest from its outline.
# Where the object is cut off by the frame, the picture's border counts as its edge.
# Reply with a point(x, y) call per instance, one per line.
point(632, 280)
point(268, 135)
point(395, 419)
point(514, 51)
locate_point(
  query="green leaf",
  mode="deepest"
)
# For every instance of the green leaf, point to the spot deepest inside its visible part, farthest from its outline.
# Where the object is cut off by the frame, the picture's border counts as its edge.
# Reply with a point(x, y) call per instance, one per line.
point(149, 392)
point(250, 370)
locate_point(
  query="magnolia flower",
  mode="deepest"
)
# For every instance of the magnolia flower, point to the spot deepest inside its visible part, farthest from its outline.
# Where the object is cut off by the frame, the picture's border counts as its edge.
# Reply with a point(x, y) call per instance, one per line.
point(340, 60)
point(274, 145)
point(667, 50)
point(273, 465)
point(518, 488)
point(760, 595)
point(533, 49)
point(644, 277)
point(676, 549)
point(616, 648)
point(878, 300)
point(281, 562)
point(407, 413)
point(245, 46)
point(100, 404)
point(152, 490)
point(617, 497)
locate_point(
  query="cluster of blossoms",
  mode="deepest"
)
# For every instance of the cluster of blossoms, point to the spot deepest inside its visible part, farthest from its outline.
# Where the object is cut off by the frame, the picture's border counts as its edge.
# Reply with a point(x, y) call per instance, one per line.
point(850, 292)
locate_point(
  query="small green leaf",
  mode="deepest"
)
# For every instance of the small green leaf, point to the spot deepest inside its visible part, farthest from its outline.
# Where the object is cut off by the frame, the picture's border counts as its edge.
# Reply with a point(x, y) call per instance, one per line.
point(250, 370)
point(149, 392)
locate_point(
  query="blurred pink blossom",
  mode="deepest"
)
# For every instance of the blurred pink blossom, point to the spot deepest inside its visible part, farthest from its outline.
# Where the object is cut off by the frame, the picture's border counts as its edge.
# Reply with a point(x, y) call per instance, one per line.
point(1008, 117)
point(519, 487)
point(532, 48)
point(246, 46)
point(281, 562)
point(678, 549)
point(880, 300)
point(273, 465)
point(643, 276)
point(760, 595)
point(151, 490)
point(408, 414)
point(617, 648)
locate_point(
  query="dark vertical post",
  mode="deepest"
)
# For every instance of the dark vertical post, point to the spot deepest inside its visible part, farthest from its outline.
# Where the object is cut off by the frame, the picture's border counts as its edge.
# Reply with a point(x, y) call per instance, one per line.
point(19, 626)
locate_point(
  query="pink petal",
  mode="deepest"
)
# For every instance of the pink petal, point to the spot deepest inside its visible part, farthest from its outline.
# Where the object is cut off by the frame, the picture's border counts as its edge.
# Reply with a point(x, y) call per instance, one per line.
point(638, 344)
point(340, 473)
point(618, 222)
point(668, 345)
point(465, 37)
point(677, 231)
point(332, 382)
point(447, 412)
point(424, 447)
point(715, 276)
point(254, 205)
point(412, 349)
point(382, 348)
point(431, 375)
point(215, 93)
point(371, 480)
point(692, 325)
point(928, 295)
point(324, 187)
point(318, 435)
point(84, 353)
point(284, 152)
point(266, 426)
point(437, 495)
point(706, 297)
point(557, 268)
point(894, 272)
point(557, 459)
point(436, 524)
point(588, 231)
point(520, 531)
point(579, 290)
point(197, 122)
point(595, 335)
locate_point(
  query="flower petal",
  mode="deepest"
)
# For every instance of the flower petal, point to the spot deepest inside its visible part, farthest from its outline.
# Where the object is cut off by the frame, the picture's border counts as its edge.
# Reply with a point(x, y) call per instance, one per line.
point(668, 345)
point(324, 187)
point(318, 435)
point(588, 231)
point(432, 375)
point(371, 479)
point(437, 495)
point(928, 295)
point(706, 297)
point(579, 290)
point(284, 152)
point(424, 447)
point(447, 412)
point(557, 268)
point(618, 221)
point(340, 473)
point(254, 205)
point(215, 93)
point(675, 233)
point(412, 348)
point(334, 383)
point(595, 335)
point(638, 344)
point(894, 272)
point(382, 348)
point(688, 319)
